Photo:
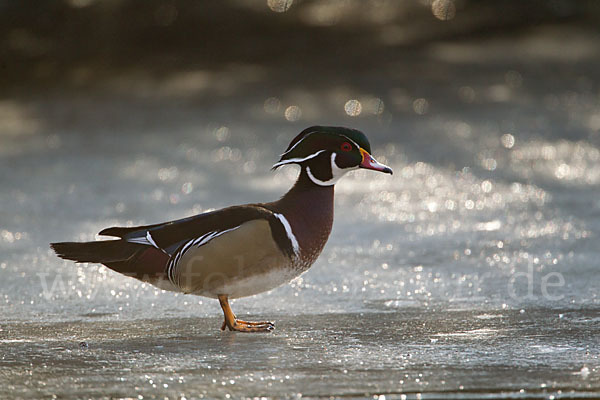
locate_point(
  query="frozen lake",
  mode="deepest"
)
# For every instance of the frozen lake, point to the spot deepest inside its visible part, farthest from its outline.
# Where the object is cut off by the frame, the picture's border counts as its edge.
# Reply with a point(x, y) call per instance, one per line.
point(472, 272)
point(413, 351)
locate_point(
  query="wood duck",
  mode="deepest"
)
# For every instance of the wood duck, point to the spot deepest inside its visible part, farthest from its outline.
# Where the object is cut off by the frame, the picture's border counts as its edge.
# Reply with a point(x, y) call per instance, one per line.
point(240, 250)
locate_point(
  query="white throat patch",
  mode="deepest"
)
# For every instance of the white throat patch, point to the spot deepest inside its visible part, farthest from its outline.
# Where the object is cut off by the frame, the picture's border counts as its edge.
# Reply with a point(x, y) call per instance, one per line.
point(336, 173)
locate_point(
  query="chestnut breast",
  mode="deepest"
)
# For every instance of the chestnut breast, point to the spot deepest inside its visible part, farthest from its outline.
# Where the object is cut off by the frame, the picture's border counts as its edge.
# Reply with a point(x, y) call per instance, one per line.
point(309, 211)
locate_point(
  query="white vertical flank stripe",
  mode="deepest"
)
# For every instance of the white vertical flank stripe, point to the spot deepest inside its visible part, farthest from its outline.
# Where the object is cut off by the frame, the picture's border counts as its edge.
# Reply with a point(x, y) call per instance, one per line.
point(289, 232)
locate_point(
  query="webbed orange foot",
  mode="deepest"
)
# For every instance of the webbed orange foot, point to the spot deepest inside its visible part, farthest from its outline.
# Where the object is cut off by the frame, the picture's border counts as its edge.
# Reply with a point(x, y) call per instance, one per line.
point(243, 326)
point(234, 324)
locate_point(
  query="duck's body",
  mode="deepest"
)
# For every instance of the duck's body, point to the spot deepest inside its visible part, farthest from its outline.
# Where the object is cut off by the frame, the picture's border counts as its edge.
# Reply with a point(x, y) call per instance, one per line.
point(241, 250)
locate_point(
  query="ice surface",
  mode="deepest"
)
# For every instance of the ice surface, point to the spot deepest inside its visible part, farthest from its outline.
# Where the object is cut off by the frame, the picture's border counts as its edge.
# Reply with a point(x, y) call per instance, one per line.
point(435, 353)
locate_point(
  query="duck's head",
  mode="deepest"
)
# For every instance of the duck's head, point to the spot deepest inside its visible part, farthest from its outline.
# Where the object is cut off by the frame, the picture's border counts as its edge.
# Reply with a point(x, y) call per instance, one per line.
point(326, 153)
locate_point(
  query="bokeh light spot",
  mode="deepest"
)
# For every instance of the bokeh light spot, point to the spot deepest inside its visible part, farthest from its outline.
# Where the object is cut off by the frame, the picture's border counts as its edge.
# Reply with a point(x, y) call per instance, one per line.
point(272, 105)
point(562, 171)
point(443, 10)
point(187, 188)
point(293, 113)
point(374, 105)
point(508, 140)
point(421, 106)
point(279, 6)
point(486, 186)
point(353, 108)
point(489, 163)
point(222, 134)
point(8, 236)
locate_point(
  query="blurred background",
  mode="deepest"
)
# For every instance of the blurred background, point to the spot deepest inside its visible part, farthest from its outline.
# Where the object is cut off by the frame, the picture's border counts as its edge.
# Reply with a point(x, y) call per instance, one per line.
point(483, 243)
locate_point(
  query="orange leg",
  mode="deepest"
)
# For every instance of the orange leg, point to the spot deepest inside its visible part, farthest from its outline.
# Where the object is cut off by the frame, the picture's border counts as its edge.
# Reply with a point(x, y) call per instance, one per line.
point(235, 324)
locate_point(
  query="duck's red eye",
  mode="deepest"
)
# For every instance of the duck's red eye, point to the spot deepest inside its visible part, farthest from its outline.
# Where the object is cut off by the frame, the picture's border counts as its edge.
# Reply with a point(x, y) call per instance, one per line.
point(346, 146)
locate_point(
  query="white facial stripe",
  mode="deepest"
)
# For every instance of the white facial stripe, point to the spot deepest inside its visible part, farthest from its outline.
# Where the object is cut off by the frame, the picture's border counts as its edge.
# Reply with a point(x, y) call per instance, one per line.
point(297, 160)
point(336, 173)
point(289, 232)
point(298, 142)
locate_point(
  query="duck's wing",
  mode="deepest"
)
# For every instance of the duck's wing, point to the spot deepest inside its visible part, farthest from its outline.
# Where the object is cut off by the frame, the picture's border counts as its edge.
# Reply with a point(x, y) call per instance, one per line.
point(169, 237)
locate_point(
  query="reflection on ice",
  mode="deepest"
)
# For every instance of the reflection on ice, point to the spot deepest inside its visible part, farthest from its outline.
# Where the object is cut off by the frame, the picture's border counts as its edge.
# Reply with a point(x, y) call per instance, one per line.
point(573, 162)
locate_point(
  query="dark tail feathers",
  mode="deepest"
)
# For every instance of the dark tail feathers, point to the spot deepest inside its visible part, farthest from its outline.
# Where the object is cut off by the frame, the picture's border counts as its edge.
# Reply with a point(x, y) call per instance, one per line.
point(107, 251)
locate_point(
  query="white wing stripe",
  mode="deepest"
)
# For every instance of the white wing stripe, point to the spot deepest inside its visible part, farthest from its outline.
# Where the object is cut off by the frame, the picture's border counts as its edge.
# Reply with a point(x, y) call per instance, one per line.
point(202, 240)
point(151, 240)
point(140, 240)
point(147, 240)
